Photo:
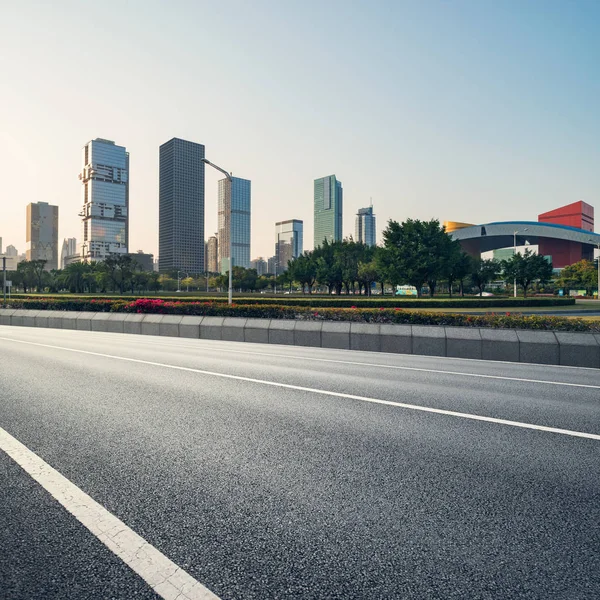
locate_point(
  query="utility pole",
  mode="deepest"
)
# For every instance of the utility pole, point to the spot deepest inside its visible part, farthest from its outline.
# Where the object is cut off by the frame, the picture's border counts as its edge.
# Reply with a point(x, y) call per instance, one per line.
point(4, 277)
point(230, 180)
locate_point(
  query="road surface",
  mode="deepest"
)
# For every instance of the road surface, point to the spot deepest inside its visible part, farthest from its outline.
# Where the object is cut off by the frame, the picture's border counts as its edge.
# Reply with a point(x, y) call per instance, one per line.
point(277, 472)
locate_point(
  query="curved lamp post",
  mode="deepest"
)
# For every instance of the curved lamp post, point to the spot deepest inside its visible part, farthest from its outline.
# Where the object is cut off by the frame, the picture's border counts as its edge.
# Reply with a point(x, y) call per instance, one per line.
point(230, 179)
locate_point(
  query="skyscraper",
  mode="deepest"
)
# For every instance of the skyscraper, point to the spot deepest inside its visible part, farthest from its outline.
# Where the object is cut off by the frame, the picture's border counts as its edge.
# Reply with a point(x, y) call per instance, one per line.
point(68, 251)
point(42, 233)
point(212, 265)
point(105, 179)
point(181, 207)
point(289, 242)
point(328, 210)
point(365, 226)
point(11, 251)
point(236, 194)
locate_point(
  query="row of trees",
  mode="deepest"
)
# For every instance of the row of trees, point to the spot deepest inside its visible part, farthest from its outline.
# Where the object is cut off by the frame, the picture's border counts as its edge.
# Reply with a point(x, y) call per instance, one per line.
point(417, 253)
point(122, 274)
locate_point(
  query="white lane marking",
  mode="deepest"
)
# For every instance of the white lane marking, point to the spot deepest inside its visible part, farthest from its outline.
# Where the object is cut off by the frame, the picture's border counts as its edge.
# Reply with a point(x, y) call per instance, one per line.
point(418, 369)
point(439, 411)
point(162, 575)
point(365, 364)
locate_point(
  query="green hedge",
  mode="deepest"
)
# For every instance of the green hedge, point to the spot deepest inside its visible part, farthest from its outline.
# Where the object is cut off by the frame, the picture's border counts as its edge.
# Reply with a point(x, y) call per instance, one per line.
point(278, 311)
point(334, 302)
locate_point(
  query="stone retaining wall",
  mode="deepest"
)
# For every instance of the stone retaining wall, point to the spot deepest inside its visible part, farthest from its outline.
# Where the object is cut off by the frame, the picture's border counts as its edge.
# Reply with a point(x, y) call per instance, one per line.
point(545, 347)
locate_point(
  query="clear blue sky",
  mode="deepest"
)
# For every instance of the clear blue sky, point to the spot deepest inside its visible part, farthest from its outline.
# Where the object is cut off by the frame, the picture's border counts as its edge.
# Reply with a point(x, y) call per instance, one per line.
point(468, 110)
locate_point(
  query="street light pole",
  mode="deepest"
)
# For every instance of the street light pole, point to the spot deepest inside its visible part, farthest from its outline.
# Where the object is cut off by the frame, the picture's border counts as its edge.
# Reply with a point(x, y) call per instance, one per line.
point(514, 253)
point(4, 277)
point(597, 244)
point(230, 179)
point(178, 280)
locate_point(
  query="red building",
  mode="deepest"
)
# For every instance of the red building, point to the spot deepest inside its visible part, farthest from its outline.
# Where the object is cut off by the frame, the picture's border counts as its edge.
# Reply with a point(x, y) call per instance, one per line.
point(579, 215)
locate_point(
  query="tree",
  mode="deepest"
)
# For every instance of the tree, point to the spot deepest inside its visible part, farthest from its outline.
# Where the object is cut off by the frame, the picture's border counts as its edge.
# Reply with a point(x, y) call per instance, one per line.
point(580, 275)
point(367, 274)
point(73, 276)
point(120, 269)
point(416, 252)
point(37, 268)
point(27, 273)
point(526, 268)
point(458, 267)
point(186, 282)
point(303, 269)
point(482, 272)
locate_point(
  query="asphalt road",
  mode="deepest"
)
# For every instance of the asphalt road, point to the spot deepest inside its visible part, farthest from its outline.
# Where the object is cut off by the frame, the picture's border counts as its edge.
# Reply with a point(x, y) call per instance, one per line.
point(230, 460)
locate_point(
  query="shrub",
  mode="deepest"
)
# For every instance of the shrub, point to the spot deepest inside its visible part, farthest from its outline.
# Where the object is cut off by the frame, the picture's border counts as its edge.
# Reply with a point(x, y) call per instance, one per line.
point(282, 311)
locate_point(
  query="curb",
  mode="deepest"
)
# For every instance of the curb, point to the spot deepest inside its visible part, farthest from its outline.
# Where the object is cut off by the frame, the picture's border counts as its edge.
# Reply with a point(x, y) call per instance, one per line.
point(509, 345)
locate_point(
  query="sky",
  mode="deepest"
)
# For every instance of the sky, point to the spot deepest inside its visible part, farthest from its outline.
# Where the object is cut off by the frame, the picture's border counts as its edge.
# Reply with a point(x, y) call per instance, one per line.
point(465, 110)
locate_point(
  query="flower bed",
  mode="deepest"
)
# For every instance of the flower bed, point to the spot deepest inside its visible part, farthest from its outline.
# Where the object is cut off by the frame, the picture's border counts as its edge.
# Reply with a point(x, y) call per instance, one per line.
point(336, 301)
point(504, 320)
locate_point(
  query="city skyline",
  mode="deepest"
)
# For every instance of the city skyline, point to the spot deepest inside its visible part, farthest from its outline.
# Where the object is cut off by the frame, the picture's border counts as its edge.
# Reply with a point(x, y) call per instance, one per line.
point(434, 123)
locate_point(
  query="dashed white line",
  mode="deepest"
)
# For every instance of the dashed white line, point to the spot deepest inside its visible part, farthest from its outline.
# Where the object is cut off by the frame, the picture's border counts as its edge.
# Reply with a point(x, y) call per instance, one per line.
point(166, 579)
point(439, 411)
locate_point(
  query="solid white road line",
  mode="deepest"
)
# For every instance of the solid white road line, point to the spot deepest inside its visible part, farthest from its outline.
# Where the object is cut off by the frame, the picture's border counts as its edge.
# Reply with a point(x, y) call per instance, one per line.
point(162, 575)
point(417, 369)
point(451, 413)
point(364, 364)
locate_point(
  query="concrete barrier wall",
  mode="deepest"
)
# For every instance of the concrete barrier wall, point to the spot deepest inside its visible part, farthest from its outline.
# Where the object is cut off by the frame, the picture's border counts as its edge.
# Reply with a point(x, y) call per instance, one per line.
point(542, 347)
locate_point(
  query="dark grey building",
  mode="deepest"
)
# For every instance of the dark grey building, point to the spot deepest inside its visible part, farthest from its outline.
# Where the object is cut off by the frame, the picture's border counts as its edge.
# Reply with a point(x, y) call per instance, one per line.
point(145, 262)
point(181, 207)
point(42, 233)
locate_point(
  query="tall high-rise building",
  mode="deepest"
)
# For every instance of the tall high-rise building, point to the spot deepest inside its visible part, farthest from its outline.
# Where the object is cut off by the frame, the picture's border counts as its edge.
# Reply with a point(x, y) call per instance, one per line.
point(237, 195)
point(328, 210)
point(68, 251)
point(105, 179)
point(289, 242)
point(42, 233)
point(181, 207)
point(365, 226)
point(212, 263)
point(11, 251)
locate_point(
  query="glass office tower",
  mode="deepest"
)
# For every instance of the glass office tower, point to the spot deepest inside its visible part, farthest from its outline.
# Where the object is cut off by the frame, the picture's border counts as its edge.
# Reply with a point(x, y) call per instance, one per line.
point(288, 242)
point(42, 234)
point(364, 231)
point(237, 196)
point(328, 210)
point(181, 207)
point(105, 178)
